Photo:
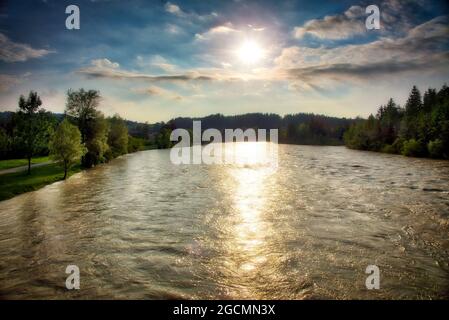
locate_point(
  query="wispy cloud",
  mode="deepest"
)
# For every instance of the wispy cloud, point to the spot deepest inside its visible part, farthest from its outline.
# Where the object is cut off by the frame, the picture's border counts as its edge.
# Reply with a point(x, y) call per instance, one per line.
point(11, 51)
point(177, 11)
point(219, 30)
point(160, 92)
point(334, 27)
point(104, 68)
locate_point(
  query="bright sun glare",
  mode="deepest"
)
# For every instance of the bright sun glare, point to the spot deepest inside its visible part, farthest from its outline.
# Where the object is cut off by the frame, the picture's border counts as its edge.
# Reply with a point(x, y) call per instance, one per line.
point(250, 52)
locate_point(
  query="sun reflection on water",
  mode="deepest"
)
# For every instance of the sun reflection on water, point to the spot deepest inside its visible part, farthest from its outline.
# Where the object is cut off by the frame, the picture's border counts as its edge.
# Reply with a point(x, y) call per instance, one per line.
point(249, 228)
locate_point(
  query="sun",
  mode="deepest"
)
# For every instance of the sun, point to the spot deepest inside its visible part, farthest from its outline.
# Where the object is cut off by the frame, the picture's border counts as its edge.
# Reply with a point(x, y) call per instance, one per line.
point(250, 52)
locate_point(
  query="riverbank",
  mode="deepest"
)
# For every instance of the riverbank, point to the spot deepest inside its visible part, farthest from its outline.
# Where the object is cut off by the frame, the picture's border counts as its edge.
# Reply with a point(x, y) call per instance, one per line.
point(13, 184)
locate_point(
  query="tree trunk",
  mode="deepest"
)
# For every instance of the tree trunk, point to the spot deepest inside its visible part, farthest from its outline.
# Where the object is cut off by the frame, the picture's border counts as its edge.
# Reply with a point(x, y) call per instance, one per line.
point(29, 165)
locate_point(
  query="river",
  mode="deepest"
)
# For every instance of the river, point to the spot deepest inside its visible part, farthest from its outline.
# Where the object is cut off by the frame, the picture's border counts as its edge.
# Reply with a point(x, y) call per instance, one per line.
point(143, 228)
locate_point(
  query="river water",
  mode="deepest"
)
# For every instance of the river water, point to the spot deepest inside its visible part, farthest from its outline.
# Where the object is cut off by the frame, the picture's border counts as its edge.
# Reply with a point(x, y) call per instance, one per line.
point(141, 227)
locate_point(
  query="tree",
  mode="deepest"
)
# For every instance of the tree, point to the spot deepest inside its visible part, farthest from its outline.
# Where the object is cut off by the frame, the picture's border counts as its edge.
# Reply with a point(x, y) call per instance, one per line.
point(4, 143)
point(65, 145)
point(412, 109)
point(118, 136)
point(82, 105)
point(414, 103)
point(33, 125)
point(82, 108)
point(429, 100)
point(163, 137)
point(135, 144)
point(389, 117)
point(423, 127)
point(96, 141)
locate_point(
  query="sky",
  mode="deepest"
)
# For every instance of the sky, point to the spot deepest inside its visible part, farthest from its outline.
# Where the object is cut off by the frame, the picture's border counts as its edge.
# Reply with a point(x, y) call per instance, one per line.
point(155, 60)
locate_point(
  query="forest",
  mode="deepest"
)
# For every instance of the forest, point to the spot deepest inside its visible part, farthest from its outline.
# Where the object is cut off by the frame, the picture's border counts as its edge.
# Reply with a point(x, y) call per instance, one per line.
point(419, 129)
point(300, 128)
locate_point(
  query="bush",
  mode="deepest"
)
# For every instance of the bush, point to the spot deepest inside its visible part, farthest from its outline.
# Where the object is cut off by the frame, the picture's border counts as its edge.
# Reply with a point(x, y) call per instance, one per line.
point(388, 148)
point(135, 144)
point(398, 145)
point(412, 148)
point(436, 148)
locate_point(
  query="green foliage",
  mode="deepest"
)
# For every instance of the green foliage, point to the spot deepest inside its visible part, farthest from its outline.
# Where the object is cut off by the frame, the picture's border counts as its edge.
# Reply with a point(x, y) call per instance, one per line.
point(388, 148)
point(398, 145)
point(34, 126)
point(421, 129)
point(135, 144)
point(163, 137)
point(82, 108)
point(436, 148)
point(4, 143)
point(96, 141)
point(117, 136)
point(413, 148)
point(65, 145)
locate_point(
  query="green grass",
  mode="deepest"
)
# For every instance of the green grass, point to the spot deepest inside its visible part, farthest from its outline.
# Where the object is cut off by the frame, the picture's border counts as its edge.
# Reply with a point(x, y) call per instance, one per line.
point(13, 163)
point(13, 184)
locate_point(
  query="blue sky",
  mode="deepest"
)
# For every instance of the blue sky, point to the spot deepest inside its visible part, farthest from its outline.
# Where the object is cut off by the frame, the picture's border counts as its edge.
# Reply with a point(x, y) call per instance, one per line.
point(154, 60)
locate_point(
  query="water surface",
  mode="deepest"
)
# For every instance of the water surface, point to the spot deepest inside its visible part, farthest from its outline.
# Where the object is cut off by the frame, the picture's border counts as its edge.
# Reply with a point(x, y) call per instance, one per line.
point(140, 227)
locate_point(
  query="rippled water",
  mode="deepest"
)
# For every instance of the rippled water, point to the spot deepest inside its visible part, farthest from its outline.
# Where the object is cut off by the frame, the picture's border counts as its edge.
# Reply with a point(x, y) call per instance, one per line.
point(140, 227)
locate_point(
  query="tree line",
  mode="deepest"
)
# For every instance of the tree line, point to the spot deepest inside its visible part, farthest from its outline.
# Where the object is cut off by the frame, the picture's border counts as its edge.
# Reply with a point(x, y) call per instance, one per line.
point(83, 134)
point(419, 129)
point(301, 128)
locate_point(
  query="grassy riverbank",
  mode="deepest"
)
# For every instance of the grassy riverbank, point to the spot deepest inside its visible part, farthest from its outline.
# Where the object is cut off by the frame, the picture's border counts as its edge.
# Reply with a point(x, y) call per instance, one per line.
point(14, 184)
point(14, 163)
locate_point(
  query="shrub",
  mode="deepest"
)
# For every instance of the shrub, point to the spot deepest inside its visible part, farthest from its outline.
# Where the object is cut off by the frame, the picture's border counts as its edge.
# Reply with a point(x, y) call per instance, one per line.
point(412, 148)
point(388, 148)
point(397, 145)
point(436, 148)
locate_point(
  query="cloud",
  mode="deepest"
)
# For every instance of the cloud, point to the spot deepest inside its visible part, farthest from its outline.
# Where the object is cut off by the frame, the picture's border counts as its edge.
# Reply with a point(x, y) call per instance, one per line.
point(173, 9)
point(356, 72)
point(103, 68)
point(219, 30)
point(397, 18)
point(18, 52)
point(424, 48)
point(334, 27)
point(427, 38)
point(156, 61)
point(105, 63)
point(173, 29)
point(158, 91)
point(176, 10)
